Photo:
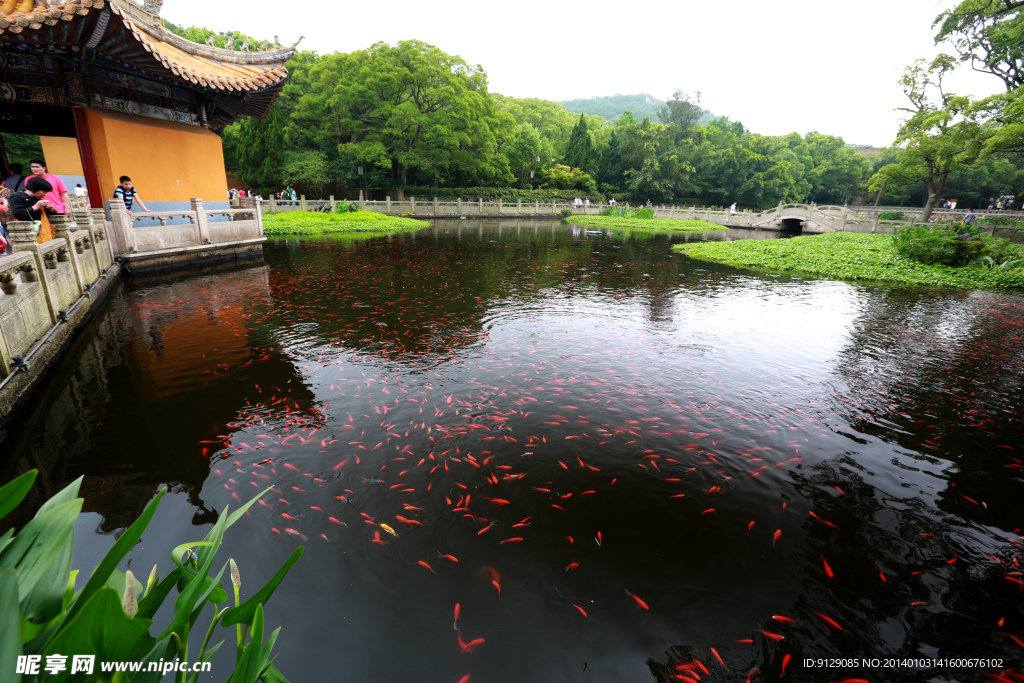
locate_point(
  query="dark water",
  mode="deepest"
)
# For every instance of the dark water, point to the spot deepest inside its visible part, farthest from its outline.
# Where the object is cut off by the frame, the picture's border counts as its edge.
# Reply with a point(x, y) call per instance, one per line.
point(724, 434)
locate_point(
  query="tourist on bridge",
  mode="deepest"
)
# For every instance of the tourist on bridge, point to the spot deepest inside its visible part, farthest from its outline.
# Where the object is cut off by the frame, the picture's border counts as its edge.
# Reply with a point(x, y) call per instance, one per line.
point(732, 209)
point(129, 194)
point(58, 195)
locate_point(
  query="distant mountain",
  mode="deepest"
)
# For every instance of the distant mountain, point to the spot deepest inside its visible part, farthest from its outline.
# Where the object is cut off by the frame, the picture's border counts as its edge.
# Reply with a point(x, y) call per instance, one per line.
point(611, 107)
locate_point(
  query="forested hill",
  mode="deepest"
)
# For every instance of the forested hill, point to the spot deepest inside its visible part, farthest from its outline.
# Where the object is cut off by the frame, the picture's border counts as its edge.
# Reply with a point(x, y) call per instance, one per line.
point(611, 107)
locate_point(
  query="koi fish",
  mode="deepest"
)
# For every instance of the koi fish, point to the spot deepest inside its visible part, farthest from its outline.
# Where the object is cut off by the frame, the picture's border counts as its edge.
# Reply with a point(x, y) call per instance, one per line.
point(719, 658)
point(485, 529)
point(784, 620)
point(572, 565)
point(340, 523)
point(785, 663)
point(773, 636)
point(828, 621)
point(372, 481)
point(828, 569)
point(468, 647)
point(638, 600)
point(455, 623)
point(424, 564)
point(582, 611)
point(388, 529)
point(517, 539)
point(775, 537)
point(449, 557)
point(497, 587)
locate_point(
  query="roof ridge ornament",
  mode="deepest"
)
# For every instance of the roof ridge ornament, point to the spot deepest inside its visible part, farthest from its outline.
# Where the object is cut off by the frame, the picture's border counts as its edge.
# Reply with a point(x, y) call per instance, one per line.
point(153, 6)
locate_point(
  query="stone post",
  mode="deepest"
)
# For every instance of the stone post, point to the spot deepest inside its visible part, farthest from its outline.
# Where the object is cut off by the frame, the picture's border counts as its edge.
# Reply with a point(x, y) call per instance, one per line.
point(302, 202)
point(62, 228)
point(333, 203)
point(123, 237)
point(874, 223)
point(499, 205)
point(846, 210)
point(519, 206)
point(480, 205)
point(554, 208)
point(273, 204)
point(387, 205)
point(23, 240)
point(458, 205)
point(246, 203)
point(435, 206)
point(201, 224)
point(84, 220)
point(412, 205)
point(536, 207)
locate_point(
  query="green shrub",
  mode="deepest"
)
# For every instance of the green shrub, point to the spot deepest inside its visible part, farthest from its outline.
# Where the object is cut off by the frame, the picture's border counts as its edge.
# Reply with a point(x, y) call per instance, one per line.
point(891, 216)
point(935, 244)
point(565, 212)
point(644, 213)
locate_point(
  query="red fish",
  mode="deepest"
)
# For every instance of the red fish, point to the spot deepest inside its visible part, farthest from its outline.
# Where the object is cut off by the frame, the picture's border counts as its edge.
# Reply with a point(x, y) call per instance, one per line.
point(423, 564)
point(785, 663)
point(455, 623)
point(638, 600)
point(828, 621)
point(464, 679)
point(775, 537)
point(512, 540)
point(449, 557)
point(752, 673)
point(784, 620)
point(468, 647)
point(582, 611)
point(719, 658)
point(828, 569)
point(337, 521)
point(773, 636)
point(497, 587)
point(572, 565)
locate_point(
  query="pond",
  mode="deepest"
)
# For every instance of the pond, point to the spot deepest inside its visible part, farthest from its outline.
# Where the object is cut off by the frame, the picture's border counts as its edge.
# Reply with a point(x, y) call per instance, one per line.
point(611, 457)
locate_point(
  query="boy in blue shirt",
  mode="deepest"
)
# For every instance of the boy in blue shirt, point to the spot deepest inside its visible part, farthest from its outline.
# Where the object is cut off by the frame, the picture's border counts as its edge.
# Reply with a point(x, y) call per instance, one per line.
point(129, 194)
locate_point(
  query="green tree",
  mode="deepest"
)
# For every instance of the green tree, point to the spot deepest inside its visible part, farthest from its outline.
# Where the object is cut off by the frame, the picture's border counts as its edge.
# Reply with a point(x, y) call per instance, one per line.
point(939, 137)
point(989, 34)
point(579, 152)
point(261, 151)
point(309, 169)
point(523, 153)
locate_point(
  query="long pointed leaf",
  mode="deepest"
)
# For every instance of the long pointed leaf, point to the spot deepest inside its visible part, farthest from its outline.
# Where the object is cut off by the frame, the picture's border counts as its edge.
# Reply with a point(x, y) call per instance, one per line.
point(273, 675)
point(15, 491)
point(10, 626)
point(40, 544)
point(114, 556)
point(151, 603)
point(69, 492)
point(244, 613)
point(46, 600)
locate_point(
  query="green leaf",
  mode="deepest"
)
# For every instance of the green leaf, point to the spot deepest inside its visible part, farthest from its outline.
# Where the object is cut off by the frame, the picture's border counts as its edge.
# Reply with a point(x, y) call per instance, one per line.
point(15, 491)
point(273, 675)
point(244, 613)
point(151, 603)
point(46, 601)
point(41, 543)
point(179, 551)
point(102, 628)
point(165, 649)
point(114, 556)
point(69, 492)
point(10, 626)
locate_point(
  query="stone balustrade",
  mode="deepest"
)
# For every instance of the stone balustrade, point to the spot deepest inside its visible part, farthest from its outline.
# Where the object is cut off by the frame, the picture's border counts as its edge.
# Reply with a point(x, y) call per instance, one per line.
point(42, 284)
point(136, 234)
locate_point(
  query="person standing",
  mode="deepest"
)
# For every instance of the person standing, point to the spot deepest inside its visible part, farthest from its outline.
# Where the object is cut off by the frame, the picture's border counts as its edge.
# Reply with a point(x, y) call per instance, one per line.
point(29, 204)
point(58, 196)
point(16, 181)
point(732, 209)
point(129, 194)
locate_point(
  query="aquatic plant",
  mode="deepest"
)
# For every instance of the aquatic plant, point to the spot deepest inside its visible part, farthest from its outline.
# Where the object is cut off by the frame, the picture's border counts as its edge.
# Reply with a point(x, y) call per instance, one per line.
point(315, 223)
point(937, 244)
point(848, 256)
point(42, 613)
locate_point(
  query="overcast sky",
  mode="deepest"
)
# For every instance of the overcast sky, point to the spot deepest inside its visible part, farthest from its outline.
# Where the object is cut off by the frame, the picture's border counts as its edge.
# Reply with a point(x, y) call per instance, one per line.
point(779, 67)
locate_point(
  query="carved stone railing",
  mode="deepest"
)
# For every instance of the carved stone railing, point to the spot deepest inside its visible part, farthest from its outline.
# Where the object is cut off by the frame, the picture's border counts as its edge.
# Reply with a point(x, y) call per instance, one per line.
point(136, 233)
point(40, 283)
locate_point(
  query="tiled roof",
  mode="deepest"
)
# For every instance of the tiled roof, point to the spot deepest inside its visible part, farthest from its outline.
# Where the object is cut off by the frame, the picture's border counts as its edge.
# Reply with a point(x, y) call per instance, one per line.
point(216, 69)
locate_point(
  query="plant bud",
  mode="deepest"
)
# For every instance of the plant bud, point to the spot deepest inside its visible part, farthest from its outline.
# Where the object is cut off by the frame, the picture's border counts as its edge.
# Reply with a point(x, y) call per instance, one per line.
point(236, 578)
point(130, 604)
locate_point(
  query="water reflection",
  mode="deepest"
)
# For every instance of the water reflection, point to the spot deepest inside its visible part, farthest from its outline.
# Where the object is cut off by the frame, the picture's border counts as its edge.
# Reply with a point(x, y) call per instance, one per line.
point(570, 417)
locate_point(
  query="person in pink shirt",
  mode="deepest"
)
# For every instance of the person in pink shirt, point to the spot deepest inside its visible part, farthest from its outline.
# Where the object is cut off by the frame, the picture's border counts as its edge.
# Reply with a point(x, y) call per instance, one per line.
point(58, 196)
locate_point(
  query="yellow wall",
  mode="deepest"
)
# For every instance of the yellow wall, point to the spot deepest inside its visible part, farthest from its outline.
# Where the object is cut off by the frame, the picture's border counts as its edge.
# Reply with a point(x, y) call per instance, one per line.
point(61, 155)
point(167, 162)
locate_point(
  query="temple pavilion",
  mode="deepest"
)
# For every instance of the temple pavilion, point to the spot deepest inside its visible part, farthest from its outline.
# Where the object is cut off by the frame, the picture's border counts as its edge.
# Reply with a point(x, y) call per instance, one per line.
point(111, 92)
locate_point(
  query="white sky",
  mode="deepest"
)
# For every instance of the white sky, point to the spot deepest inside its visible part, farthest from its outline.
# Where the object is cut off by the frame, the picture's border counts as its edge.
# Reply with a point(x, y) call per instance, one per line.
point(779, 67)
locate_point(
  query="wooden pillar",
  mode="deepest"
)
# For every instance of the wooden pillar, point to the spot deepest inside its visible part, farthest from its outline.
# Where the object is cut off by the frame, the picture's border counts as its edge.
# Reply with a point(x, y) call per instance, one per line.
point(92, 179)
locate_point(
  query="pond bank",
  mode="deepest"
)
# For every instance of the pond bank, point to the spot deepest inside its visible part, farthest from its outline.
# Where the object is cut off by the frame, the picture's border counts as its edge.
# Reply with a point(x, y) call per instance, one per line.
point(655, 224)
point(847, 256)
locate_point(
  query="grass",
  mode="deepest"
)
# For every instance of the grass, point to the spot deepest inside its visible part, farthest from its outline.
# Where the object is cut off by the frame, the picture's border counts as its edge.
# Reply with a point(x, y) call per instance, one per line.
point(848, 256)
point(654, 224)
point(314, 223)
